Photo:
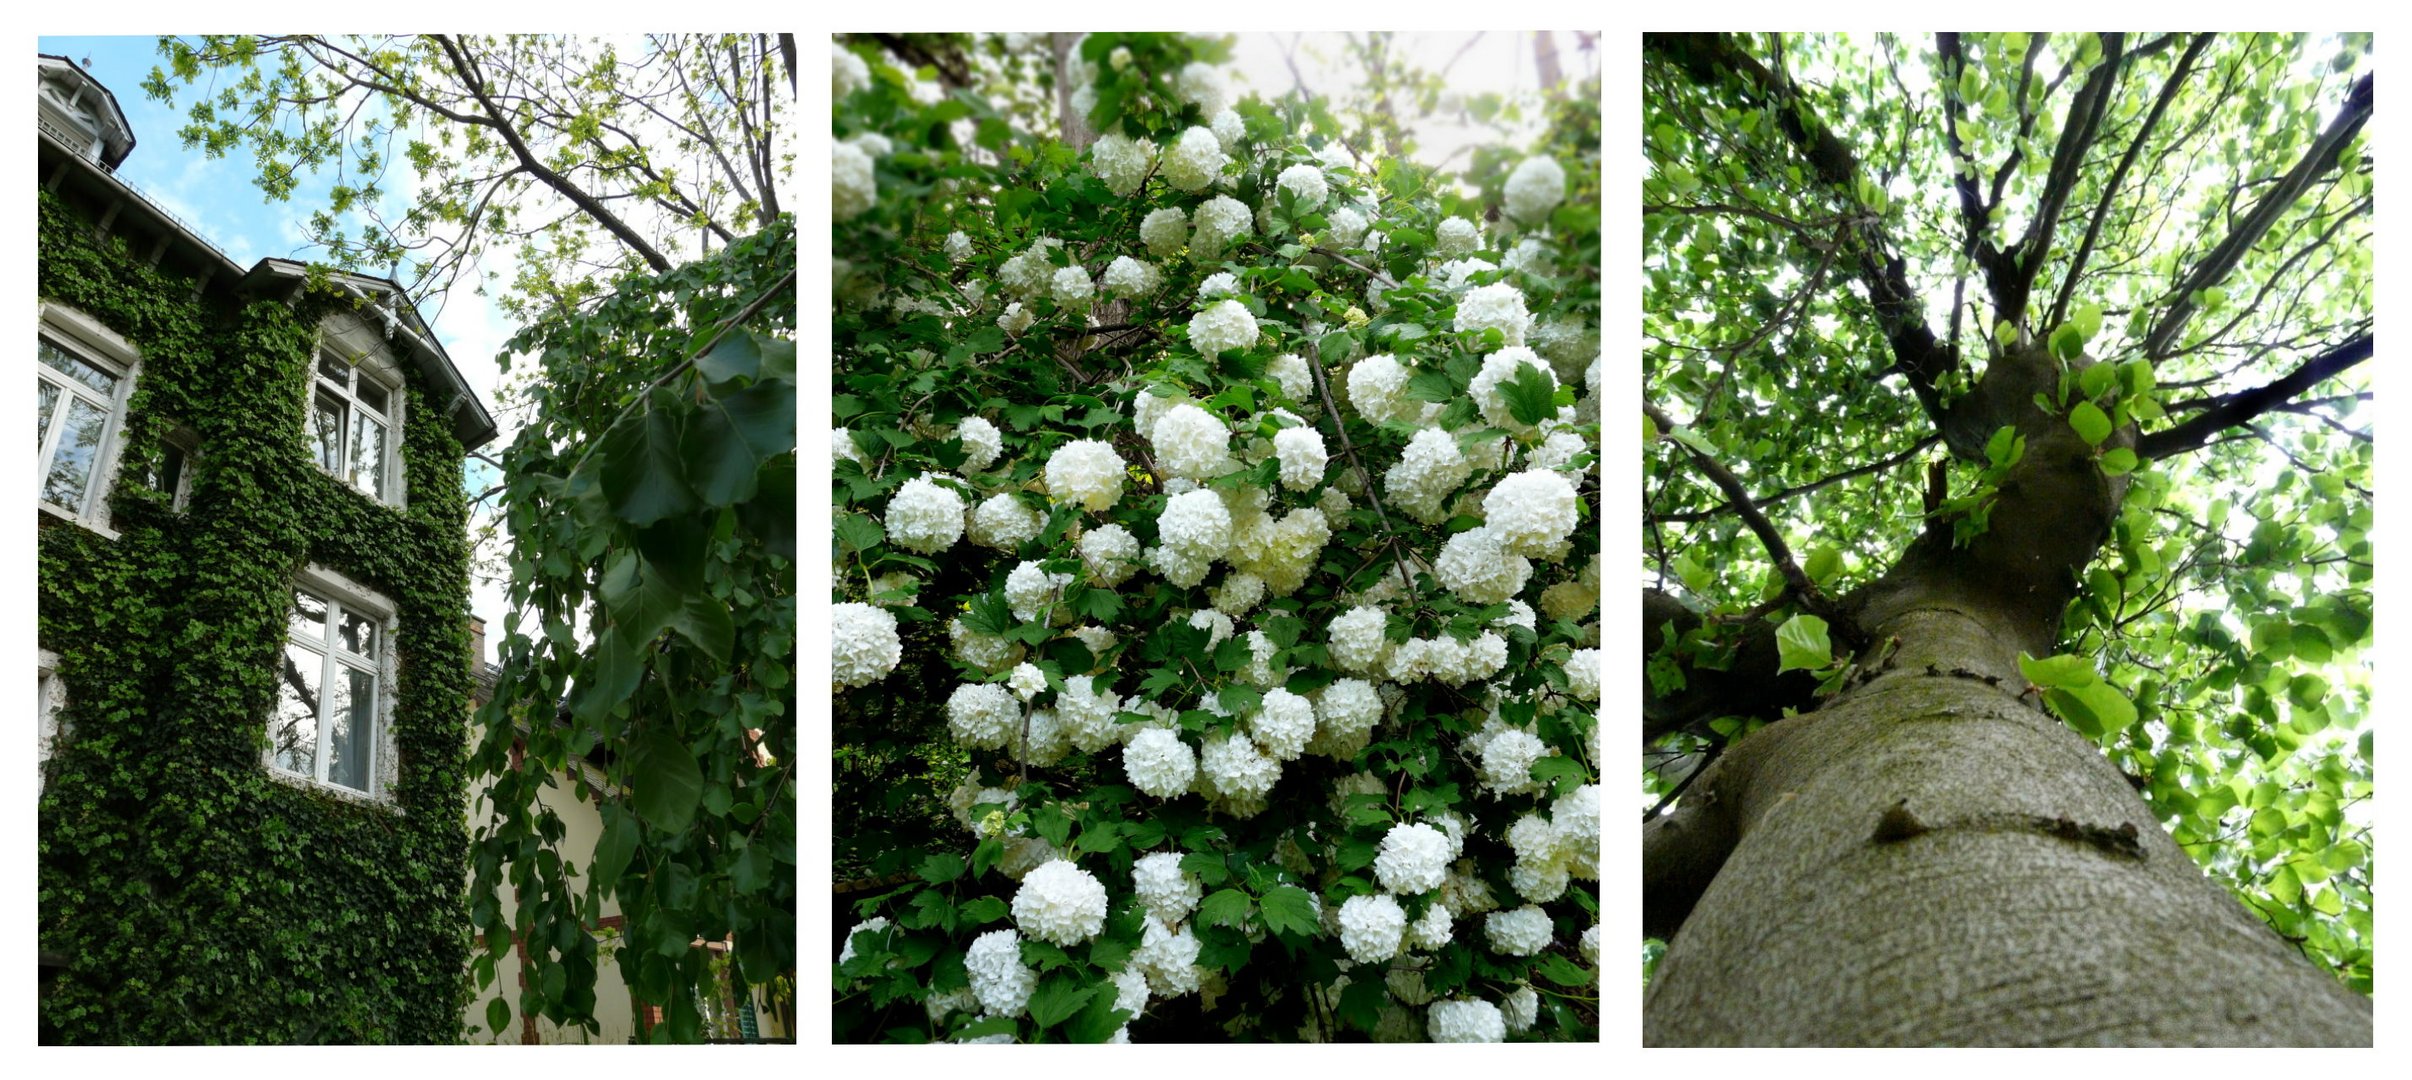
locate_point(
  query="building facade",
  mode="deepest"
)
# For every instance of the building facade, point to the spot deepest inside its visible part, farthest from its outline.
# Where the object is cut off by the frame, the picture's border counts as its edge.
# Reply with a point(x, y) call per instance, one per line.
point(254, 655)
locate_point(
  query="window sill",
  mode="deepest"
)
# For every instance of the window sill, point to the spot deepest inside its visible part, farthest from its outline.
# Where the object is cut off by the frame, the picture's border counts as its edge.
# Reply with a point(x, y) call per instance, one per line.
point(294, 779)
point(88, 526)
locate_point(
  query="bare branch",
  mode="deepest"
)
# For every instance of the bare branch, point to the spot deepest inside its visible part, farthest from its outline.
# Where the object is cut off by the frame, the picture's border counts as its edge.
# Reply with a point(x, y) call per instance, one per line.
point(2240, 409)
point(2093, 227)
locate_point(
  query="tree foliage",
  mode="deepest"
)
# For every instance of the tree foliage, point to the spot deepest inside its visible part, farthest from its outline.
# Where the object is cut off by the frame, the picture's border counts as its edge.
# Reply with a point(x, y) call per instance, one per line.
point(990, 355)
point(1842, 235)
point(536, 145)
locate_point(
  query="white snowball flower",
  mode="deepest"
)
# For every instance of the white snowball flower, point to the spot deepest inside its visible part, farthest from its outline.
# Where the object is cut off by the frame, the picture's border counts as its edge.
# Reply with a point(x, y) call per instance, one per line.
point(863, 644)
point(1427, 473)
point(1060, 902)
point(1568, 600)
point(1225, 326)
point(1191, 442)
point(1159, 763)
point(1237, 593)
point(1169, 957)
point(1303, 458)
point(1003, 522)
point(1474, 565)
point(1500, 368)
point(1219, 221)
point(1290, 371)
point(988, 652)
point(1282, 725)
point(998, 977)
point(1521, 1009)
point(1111, 552)
point(1087, 708)
point(847, 72)
point(1346, 226)
point(1165, 231)
point(1432, 930)
point(841, 445)
point(1371, 927)
point(981, 442)
point(1583, 674)
point(1228, 130)
point(1539, 884)
point(873, 143)
point(852, 187)
point(1086, 473)
point(1507, 761)
point(876, 925)
point(1357, 639)
point(1219, 283)
point(1027, 680)
point(1345, 714)
point(924, 516)
point(1521, 932)
point(1500, 306)
point(1457, 274)
point(1558, 451)
point(1465, 1022)
point(1028, 590)
point(983, 715)
point(1127, 277)
point(1203, 85)
point(958, 246)
point(1536, 187)
point(1533, 839)
point(1121, 162)
point(1377, 389)
point(1130, 995)
point(1163, 888)
point(1457, 236)
point(1413, 858)
point(1574, 824)
point(1015, 319)
point(1591, 944)
point(1231, 767)
point(1072, 285)
point(1529, 256)
point(1193, 162)
point(1305, 185)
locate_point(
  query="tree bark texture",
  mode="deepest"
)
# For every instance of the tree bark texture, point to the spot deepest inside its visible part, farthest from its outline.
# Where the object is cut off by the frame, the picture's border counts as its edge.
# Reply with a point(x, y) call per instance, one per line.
point(1930, 857)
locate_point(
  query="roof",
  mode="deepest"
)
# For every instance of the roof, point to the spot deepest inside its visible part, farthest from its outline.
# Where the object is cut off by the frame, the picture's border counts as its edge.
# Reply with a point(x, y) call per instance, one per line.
point(388, 303)
point(117, 136)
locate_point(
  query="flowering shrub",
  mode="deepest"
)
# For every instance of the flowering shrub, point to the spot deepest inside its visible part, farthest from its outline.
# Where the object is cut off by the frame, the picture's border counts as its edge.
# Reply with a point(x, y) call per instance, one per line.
point(1259, 703)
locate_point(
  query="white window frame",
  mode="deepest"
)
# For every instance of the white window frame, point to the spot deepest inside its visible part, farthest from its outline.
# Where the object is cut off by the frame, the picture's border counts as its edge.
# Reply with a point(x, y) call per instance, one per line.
point(379, 371)
point(185, 441)
point(343, 595)
point(84, 337)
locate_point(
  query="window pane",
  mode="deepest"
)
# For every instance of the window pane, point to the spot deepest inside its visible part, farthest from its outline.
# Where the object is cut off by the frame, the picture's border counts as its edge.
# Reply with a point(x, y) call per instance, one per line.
point(326, 432)
point(335, 369)
point(50, 400)
point(309, 618)
point(353, 714)
point(293, 728)
point(357, 634)
point(70, 365)
point(171, 469)
point(368, 455)
point(71, 467)
point(372, 395)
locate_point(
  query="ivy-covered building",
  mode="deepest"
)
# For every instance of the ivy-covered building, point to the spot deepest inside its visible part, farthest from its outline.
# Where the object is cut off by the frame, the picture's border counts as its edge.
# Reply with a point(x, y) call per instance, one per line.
point(254, 652)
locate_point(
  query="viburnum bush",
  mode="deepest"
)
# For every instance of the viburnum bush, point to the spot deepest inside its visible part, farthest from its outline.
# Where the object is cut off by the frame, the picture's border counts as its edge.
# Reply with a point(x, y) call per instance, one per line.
point(1219, 501)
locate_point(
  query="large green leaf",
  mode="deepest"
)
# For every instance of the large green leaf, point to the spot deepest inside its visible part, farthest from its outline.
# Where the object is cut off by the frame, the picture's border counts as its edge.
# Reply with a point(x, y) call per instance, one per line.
point(614, 848)
point(1802, 643)
point(642, 469)
point(728, 438)
point(1288, 908)
point(2065, 672)
point(664, 782)
point(2092, 424)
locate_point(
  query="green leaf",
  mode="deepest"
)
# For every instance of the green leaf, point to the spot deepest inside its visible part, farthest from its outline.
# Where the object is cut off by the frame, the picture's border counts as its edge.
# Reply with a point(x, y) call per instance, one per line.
point(1823, 564)
point(2005, 447)
point(2087, 319)
point(665, 784)
point(1530, 395)
point(2005, 333)
point(1288, 908)
point(704, 620)
point(941, 868)
point(2065, 672)
point(2098, 710)
point(1564, 972)
point(2310, 643)
point(1802, 643)
point(982, 910)
point(1059, 997)
point(2094, 381)
point(2092, 424)
point(2118, 461)
point(498, 1015)
point(735, 356)
point(1098, 1022)
point(2067, 343)
point(641, 466)
point(614, 848)
point(751, 873)
point(727, 440)
point(1225, 907)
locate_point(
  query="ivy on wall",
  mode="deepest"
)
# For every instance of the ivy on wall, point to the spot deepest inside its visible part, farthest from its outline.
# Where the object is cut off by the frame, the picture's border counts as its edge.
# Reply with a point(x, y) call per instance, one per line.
point(190, 896)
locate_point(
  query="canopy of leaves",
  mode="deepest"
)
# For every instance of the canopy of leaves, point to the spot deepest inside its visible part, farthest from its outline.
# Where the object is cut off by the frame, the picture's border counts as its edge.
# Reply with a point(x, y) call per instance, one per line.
point(1838, 232)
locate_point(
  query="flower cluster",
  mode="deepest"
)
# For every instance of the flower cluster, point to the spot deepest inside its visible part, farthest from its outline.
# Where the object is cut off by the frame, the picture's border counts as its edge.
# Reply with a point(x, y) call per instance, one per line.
point(863, 642)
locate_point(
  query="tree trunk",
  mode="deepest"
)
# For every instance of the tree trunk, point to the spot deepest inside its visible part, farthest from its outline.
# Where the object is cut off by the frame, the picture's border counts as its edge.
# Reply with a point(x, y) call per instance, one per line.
point(1931, 858)
point(1076, 126)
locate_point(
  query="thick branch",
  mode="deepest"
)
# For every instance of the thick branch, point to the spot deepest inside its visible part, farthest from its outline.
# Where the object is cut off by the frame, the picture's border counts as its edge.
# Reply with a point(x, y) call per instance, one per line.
point(2241, 408)
point(1714, 60)
point(2319, 158)
point(2068, 158)
point(1772, 498)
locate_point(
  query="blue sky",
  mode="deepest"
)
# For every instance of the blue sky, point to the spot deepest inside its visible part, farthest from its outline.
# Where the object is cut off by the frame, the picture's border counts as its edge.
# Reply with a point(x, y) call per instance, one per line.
point(217, 199)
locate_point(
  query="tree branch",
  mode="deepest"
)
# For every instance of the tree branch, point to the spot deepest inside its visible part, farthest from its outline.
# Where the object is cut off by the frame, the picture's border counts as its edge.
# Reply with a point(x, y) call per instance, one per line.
point(1779, 496)
point(2318, 158)
point(1796, 582)
point(2135, 146)
point(2067, 159)
point(2241, 408)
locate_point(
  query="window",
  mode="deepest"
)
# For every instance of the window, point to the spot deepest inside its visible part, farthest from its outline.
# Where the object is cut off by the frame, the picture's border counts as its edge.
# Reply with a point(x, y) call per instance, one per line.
point(352, 425)
point(52, 698)
point(174, 475)
point(329, 722)
point(80, 399)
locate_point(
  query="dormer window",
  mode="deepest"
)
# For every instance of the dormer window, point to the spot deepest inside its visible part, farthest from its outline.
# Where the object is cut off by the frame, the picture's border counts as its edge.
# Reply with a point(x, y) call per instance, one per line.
point(352, 425)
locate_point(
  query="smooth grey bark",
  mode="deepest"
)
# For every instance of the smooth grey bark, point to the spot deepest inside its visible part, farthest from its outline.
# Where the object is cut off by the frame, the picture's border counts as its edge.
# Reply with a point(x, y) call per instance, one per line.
point(1932, 859)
